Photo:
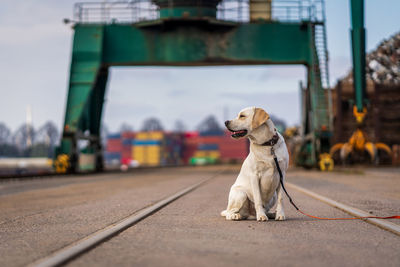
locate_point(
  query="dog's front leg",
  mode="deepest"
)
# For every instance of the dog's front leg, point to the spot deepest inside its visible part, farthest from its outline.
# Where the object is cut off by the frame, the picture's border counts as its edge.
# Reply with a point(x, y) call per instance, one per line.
point(255, 186)
point(280, 214)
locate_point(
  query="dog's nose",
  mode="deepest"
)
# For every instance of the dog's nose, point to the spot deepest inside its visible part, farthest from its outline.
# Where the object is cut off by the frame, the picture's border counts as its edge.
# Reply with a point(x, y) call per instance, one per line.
point(226, 123)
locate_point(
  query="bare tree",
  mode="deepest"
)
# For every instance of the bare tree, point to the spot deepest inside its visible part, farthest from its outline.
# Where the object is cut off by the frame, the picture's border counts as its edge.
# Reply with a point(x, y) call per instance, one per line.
point(6, 148)
point(5, 133)
point(125, 127)
point(23, 135)
point(152, 124)
point(179, 126)
point(210, 124)
point(48, 134)
point(104, 132)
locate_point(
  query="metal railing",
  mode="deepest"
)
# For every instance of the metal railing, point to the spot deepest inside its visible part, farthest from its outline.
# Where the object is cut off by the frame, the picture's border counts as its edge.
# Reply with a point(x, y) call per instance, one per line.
point(228, 10)
point(115, 12)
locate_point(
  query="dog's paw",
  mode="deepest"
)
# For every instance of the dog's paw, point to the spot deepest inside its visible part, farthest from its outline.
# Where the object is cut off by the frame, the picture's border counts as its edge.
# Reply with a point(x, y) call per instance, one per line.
point(233, 217)
point(280, 216)
point(262, 217)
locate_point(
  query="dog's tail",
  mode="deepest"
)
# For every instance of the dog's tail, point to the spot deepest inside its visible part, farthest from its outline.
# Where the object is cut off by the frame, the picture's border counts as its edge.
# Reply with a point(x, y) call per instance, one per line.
point(224, 213)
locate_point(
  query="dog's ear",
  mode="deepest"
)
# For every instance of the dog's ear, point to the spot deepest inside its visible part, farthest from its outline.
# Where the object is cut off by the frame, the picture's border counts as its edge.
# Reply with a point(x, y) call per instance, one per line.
point(259, 117)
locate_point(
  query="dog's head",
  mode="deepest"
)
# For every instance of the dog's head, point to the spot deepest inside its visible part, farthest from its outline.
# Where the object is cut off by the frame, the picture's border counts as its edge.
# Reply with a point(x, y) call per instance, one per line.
point(248, 120)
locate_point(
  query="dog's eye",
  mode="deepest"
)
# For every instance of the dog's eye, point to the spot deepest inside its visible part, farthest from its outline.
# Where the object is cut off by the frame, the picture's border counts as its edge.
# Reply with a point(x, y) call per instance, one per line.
point(242, 116)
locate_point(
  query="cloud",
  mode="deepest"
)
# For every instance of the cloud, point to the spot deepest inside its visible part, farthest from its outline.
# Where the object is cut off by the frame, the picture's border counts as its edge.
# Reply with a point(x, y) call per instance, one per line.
point(35, 58)
point(285, 105)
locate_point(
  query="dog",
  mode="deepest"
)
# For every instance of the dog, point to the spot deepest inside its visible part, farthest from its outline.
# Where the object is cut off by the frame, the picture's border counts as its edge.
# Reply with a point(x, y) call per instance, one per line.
point(257, 188)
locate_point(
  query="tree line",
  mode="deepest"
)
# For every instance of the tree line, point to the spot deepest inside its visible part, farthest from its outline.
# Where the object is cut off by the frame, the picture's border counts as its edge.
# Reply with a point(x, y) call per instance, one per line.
point(27, 141)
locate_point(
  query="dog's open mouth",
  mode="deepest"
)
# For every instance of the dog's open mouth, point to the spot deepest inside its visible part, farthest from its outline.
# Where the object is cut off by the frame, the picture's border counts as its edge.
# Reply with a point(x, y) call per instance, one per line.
point(239, 134)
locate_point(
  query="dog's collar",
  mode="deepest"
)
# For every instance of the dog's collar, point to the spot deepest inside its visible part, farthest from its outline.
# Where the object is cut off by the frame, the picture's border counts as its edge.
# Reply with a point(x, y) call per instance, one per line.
point(272, 141)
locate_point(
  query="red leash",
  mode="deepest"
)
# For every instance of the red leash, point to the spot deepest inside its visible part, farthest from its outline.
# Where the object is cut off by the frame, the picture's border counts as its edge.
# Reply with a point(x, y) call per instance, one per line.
point(351, 218)
point(322, 218)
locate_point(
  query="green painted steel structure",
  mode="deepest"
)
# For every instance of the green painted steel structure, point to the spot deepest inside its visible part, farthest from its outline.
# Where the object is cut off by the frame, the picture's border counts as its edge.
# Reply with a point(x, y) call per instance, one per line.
point(193, 41)
point(358, 52)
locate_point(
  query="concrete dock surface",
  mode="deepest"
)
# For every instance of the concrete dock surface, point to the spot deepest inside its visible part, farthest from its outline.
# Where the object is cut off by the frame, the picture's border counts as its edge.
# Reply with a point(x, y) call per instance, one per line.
point(44, 215)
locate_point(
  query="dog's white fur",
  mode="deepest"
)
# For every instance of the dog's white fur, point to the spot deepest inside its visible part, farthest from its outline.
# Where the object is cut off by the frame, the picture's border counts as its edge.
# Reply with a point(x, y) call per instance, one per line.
point(257, 187)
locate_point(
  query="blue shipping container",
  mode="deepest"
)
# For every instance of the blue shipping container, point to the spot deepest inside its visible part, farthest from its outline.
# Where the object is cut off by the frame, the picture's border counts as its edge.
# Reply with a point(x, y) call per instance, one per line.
point(127, 142)
point(109, 156)
point(208, 147)
point(212, 133)
point(146, 142)
point(114, 136)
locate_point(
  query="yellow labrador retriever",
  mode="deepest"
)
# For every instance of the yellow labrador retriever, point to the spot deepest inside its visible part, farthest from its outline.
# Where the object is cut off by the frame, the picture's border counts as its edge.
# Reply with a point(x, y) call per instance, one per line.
point(257, 188)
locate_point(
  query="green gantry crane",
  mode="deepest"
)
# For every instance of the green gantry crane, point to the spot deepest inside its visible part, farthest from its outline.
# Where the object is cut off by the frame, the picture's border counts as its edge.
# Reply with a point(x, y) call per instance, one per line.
point(193, 33)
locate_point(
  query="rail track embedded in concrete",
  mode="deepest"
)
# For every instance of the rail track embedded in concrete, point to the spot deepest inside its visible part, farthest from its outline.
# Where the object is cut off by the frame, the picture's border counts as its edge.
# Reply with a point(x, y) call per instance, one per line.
point(386, 225)
point(85, 244)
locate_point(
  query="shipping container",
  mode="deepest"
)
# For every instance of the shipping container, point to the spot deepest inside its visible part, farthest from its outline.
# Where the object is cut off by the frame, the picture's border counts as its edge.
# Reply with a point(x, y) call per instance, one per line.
point(128, 135)
point(148, 155)
point(233, 149)
point(114, 145)
point(168, 148)
point(207, 153)
point(114, 136)
point(126, 153)
point(127, 142)
point(212, 133)
point(210, 139)
point(202, 161)
point(190, 134)
point(146, 142)
point(157, 135)
point(173, 148)
point(190, 144)
point(112, 158)
point(112, 155)
point(208, 147)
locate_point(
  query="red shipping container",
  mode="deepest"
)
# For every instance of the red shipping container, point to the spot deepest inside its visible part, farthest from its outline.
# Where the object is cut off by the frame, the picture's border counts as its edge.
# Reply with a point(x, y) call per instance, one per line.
point(114, 145)
point(211, 139)
point(233, 149)
point(126, 152)
point(128, 135)
point(191, 134)
point(188, 152)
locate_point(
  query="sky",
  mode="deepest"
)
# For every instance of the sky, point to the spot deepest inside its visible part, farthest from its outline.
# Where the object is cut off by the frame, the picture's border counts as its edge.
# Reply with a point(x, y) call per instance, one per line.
point(35, 48)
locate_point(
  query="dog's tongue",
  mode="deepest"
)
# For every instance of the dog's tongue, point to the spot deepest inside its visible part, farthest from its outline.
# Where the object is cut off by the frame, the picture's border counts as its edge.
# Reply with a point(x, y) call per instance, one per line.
point(238, 134)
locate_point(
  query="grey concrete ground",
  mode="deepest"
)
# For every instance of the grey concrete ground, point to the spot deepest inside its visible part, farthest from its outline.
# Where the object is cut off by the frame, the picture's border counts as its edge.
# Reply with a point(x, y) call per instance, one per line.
point(374, 190)
point(189, 232)
point(38, 218)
